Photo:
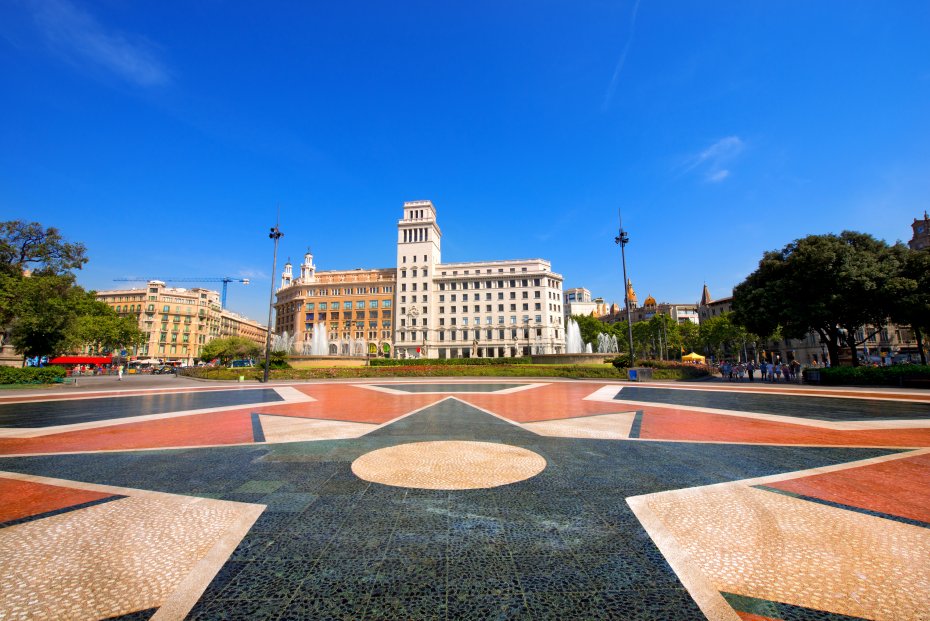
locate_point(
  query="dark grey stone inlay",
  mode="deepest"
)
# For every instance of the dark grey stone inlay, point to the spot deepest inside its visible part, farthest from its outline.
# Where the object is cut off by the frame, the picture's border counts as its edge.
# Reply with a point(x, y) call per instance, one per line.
point(818, 408)
point(561, 545)
point(72, 411)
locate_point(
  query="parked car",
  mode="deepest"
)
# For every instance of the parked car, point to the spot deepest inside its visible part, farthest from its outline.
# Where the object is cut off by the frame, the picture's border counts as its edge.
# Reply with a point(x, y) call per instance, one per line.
point(164, 370)
point(242, 363)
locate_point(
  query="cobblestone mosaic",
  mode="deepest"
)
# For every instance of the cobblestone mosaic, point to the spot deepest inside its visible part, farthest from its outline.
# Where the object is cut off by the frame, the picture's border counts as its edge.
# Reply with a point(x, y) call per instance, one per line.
point(562, 543)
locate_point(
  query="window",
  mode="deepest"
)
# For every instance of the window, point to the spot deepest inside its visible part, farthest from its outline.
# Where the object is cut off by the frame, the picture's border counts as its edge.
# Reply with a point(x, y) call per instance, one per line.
point(166, 309)
point(322, 306)
point(347, 306)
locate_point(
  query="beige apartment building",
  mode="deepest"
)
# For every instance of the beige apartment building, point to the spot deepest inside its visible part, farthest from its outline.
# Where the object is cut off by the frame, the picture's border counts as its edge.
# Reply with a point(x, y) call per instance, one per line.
point(178, 322)
point(353, 308)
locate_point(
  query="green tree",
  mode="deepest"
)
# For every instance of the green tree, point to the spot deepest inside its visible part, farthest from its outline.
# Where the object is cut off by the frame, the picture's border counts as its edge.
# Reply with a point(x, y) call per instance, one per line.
point(229, 348)
point(42, 314)
point(833, 285)
point(911, 296)
point(28, 246)
point(689, 335)
point(97, 325)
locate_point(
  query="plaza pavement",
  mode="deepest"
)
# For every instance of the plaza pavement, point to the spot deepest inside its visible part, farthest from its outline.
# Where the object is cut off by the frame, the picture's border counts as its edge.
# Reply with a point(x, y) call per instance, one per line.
point(167, 498)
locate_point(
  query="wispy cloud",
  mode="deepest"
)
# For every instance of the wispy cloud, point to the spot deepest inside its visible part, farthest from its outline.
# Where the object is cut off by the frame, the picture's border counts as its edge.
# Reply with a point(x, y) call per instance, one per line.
point(79, 38)
point(612, 87)
point(713, 161)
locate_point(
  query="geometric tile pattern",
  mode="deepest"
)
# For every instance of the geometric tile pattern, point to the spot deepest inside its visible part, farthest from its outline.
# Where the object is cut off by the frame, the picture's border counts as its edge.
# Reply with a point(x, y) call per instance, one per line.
point(604, 426)
point(749, 542)
point(666, 512)
point(138, 552)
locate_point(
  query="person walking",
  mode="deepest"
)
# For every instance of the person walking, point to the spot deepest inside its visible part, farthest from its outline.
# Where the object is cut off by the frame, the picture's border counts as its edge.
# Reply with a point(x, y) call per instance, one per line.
point(119, 373)
point(750, 369)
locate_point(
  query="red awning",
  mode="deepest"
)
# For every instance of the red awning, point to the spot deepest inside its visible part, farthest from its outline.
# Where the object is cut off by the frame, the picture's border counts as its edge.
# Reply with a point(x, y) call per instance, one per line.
point(81, 360)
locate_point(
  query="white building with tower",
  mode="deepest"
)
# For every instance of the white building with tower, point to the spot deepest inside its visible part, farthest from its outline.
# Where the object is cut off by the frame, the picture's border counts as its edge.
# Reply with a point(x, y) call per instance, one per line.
point(492, 309)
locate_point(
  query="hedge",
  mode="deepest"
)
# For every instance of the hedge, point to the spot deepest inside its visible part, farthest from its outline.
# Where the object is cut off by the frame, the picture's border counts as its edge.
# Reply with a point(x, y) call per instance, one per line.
point(418, 370)
point(665, 369)
point(31, 375)
point(898, 375)
point(455, 362)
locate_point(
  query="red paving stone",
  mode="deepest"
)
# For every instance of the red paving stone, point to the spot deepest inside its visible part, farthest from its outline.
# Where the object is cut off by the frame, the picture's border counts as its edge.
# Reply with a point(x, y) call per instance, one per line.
point(346, 402)
point(217, 428)
point(351, 403)
point(19, 499)
point(895, 487)
point(676, 424)
point(551, 402)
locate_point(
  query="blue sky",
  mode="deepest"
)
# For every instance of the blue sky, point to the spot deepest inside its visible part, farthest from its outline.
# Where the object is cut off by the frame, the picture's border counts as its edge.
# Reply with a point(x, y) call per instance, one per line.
point(165, 135)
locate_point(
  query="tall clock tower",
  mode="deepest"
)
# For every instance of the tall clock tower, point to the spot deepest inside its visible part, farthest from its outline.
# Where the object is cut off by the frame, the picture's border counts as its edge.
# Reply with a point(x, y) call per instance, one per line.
point(418, 253)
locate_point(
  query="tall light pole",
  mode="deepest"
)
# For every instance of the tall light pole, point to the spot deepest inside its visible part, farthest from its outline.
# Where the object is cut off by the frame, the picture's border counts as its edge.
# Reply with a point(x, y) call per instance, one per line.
point(623, 239)
point(275, 234)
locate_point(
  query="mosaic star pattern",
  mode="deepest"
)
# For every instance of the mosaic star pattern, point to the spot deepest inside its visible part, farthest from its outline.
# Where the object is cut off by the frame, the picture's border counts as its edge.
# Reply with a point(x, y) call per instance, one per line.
point(640, 510)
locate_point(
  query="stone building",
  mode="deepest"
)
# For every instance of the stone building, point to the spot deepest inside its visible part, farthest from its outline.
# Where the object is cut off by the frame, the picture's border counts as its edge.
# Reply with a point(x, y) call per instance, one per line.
point(178, 322)
point(355, 308)
point(487, 309)
point(920, 240)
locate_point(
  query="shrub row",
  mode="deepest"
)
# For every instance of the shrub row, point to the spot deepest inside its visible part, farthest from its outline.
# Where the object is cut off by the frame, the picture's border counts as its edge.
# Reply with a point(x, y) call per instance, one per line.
point(665, 369)
point(419, 370)
point(454, 362)
point(31, 375)
point(898, 375)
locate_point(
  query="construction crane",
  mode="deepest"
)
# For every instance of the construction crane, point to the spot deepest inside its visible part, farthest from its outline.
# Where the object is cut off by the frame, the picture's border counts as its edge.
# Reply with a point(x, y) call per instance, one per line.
point(225, 280)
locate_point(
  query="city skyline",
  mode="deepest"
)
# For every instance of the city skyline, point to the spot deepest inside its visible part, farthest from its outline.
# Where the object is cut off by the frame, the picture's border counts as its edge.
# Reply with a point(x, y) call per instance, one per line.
point(720, 132)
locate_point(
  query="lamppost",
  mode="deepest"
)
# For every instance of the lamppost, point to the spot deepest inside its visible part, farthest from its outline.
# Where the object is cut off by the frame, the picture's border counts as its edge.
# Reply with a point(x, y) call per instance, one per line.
point(275, 234)
point(623, 239)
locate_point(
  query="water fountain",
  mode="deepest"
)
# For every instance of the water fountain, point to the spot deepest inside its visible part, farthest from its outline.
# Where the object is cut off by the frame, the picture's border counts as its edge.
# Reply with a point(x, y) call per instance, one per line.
point(573, 342)
point(607, 344)
point(283, 342)
point(319, 345)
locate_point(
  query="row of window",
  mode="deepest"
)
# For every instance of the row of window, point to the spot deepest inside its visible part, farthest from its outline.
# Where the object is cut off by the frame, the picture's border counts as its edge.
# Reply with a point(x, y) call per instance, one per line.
point(487, 296)
point(476, 334)
point(488, 308)
point(323, 293)
point(488, 284)
point(323, 315)
point(347, 305)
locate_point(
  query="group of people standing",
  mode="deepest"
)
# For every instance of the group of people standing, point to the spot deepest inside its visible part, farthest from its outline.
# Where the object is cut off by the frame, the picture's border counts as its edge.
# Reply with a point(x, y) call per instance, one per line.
point(768, 371)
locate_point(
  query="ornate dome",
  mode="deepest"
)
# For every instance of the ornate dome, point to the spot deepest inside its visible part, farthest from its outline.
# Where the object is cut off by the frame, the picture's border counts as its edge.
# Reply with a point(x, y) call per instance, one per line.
point(650, 301)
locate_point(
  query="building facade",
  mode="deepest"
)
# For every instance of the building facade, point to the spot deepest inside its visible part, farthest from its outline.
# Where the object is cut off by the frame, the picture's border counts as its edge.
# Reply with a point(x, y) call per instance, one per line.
point(177, 322)
point(490, 309)
point(578, 301)
point(354, 308)
point(920, 239)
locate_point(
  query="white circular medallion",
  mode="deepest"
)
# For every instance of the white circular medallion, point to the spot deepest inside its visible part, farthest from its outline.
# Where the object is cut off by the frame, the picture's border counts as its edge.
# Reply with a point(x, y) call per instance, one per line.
point(448, 465)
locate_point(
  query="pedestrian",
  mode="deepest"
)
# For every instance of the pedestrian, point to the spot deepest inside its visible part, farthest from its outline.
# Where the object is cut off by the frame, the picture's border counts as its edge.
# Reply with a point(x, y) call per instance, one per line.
point(119, 372)
point(777, 373)
point(750, 369)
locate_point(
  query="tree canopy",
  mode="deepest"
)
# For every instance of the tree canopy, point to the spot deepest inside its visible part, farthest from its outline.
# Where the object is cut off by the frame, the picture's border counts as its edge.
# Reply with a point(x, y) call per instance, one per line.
point(41, 307)
point(230, 348)
point(833, 285)
point(28, 246)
